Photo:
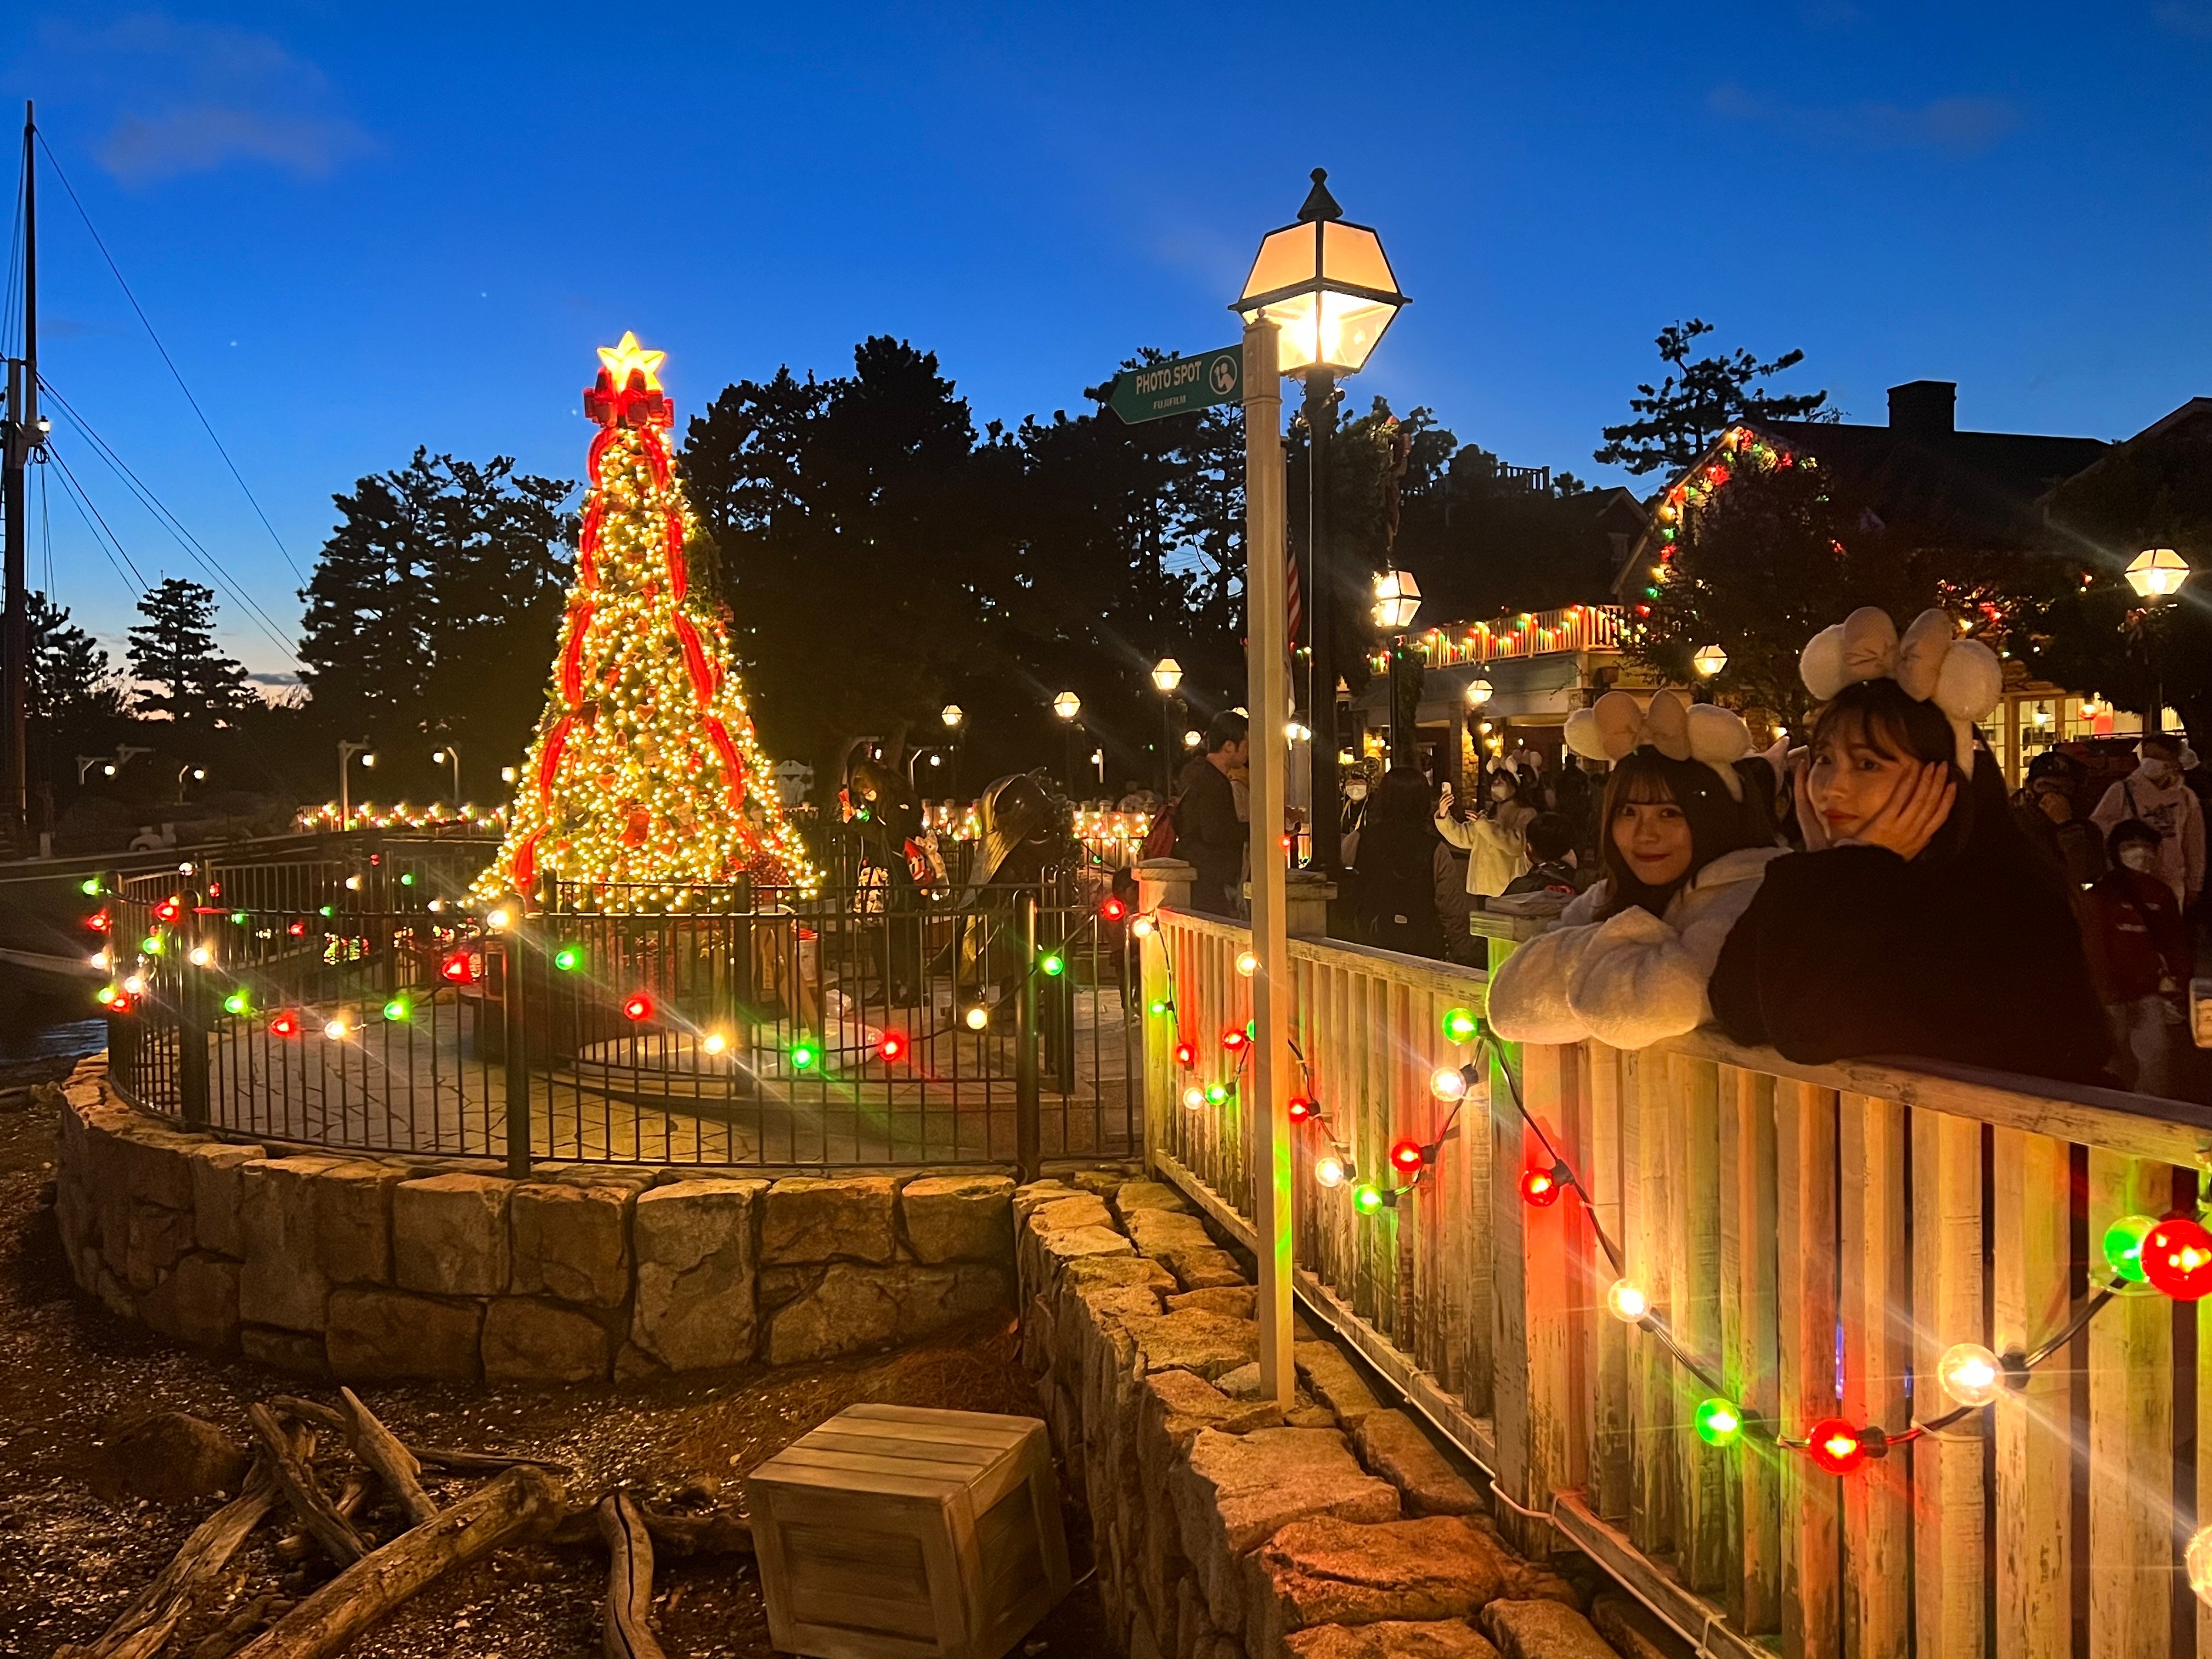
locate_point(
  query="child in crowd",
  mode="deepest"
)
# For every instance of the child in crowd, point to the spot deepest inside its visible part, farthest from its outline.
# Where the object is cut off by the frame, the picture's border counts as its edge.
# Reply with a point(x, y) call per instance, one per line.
point(1549, 844)
point(2139, 954)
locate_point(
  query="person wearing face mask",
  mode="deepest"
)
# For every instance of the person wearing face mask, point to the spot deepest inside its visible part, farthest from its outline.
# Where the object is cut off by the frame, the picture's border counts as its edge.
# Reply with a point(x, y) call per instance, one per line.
point(1629, 962)
point(1918, 921)
point(1493, 838)
point(2153, 793)
point(2045, 812)
point(2139, 956)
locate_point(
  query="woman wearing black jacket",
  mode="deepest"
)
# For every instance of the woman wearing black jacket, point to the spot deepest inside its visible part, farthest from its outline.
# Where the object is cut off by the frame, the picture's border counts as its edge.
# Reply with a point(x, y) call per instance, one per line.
point(1395, 857)
point(1918, 922)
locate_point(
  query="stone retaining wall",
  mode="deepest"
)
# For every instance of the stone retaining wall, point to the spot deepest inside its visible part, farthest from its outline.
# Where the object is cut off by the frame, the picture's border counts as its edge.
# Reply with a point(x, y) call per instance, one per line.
point(1227, 1528)
point(364, 1268)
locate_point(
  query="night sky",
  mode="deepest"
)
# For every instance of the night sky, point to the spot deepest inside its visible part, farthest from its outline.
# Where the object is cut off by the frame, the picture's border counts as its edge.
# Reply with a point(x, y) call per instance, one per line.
point(361, 227)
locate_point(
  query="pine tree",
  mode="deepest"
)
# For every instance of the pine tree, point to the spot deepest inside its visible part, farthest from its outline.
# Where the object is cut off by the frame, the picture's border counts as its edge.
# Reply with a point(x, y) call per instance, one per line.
point(1679, 420)
point(71, 678)
point(644, 775)
point(173, 657)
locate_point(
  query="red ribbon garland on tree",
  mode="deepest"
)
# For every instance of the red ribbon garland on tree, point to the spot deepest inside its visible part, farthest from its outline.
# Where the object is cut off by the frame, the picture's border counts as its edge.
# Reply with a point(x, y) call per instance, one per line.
point(695, 657)
point(550, 764)
point(679, 578)
point(572, 661)
point(587, 543)
point(732, 763)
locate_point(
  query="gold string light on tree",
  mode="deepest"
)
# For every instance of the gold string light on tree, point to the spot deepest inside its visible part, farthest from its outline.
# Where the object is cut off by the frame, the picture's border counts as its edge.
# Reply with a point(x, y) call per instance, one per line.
point(644, 776)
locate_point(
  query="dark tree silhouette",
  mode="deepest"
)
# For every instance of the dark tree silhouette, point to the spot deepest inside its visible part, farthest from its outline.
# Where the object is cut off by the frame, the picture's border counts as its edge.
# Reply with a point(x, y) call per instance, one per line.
point(181, 674)
point(1678, 419)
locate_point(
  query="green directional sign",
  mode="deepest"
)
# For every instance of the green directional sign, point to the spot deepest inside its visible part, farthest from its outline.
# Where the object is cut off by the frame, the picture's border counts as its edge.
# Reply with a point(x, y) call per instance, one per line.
point(1179, 385)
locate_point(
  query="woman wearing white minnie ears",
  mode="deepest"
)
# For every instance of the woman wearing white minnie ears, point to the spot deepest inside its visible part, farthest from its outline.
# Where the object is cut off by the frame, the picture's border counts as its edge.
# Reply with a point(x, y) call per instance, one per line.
point(1918, 922)
point(1629, 962)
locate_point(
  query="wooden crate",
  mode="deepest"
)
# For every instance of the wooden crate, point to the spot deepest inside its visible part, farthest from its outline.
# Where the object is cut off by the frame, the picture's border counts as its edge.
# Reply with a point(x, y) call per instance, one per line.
point(897, 1532)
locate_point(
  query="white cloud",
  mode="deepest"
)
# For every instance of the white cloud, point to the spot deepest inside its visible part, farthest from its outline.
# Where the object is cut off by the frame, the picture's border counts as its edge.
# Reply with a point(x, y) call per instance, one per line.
point(194, 97)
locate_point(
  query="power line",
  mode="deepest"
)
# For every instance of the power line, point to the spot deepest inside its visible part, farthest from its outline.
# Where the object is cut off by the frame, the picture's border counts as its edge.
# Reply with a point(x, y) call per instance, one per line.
point(204, 425)
point(134, 585)
point(174, 525)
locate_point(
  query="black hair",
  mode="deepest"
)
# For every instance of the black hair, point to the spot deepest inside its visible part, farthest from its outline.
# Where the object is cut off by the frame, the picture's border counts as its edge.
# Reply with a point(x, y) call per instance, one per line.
point(1549, 836)
point(1881, 714)
point(1715, 815)
point(1227, 728)
point(2171, 742)
point(1402, 797)
point(1762, 801)
point(2128, 830)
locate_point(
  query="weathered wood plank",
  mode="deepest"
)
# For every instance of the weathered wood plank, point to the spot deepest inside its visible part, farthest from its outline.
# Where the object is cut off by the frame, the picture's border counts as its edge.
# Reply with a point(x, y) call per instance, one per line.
point(1876, 1329)
point(1805, 1278)
point(1612, 1439)
point(1751, 1345)
point(2131, 1436)
point(2032, 1441)
point(1708, 1555)
point(1951, 1583)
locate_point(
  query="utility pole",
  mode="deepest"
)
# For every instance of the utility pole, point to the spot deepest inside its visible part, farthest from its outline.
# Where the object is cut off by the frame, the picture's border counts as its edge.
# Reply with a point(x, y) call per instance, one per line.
point(20, 433)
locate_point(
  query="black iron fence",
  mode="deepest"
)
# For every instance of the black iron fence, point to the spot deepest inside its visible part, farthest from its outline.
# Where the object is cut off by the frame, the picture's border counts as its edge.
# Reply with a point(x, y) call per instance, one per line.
point(355, 1001)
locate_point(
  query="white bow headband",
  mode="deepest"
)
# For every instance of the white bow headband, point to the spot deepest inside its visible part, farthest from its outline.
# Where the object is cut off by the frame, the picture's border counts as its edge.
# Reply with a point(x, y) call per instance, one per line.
point(1931, 663)
point(1616, 726)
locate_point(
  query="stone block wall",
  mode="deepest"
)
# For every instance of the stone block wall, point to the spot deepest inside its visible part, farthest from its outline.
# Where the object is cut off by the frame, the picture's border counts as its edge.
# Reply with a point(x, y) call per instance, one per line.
point(369, 1268)
point(1226, 1528)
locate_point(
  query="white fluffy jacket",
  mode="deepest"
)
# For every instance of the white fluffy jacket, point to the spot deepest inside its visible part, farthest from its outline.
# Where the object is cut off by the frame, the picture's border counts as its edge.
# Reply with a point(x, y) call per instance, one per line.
point(1633, 978)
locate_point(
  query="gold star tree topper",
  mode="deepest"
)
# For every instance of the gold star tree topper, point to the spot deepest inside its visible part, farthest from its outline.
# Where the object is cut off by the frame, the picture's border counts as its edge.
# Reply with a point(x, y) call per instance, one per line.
point(627, 355)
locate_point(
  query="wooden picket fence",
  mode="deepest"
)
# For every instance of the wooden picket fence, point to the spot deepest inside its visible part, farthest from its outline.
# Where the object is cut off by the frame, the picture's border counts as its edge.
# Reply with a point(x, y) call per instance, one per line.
point(1816, 1235)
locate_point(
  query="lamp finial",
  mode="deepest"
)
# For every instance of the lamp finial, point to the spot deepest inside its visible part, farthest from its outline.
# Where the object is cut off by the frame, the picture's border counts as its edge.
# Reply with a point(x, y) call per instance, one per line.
point(1319, 204)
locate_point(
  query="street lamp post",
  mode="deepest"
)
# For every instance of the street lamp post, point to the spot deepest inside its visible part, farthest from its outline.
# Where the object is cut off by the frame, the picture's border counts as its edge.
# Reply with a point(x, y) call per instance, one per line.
point(1069, 707)
point(1397, 602)
point(955, 719)
point(438, 756)
point(347, 749)
point(1328, 287)
point(1167, 674)
point(2156, 574)
point(1709, 660)
point(186, 775)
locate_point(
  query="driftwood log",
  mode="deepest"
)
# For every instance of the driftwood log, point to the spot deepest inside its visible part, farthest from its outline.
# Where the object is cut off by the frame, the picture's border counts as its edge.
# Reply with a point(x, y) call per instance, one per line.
point(452, 1459)
point(294, 1544)
point(297, 1480)
point(625, 1633)
point(143, 1627)
point(519, 1506)
point(718, 1532)
point(380, 1449)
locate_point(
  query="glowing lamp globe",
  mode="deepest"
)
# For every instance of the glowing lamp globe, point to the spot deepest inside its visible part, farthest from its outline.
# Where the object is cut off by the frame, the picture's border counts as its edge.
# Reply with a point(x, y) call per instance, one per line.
point(1067, 705)
point(714, 1043)
point(1969, 1374)
point(2196, 1561)
point(569, 958)
point(1142, 927)
point(1718, 1422)
point(2157, 572)
point(1302, 1110)
point(454, 968)
point(1193, 1099)
point(1626, 1302)
point(1460, 1025)
point(803, 1056)
point(397, 1010)
point(1112, 909)
point(977, 1018)
point(336, 1030)
point(2177, 1258)
point(1709, 660)
point(1480, 692)
point(1158, 1006)
point(285, 1025)
point(1185, 1054)
point(1330, 1171)
point(1217, 1094)
point(1326, 284)
point(1448, 1083)
point(1167, 674)
point(1397, 601)
point(1052, 964)
point(1540, 1187)
point(1407, 1156)
point(637, 1005)
point(1369, 1199)
point(2122, 1246)
point(1247, 963)
point(1234, 1038)
point(1835, 1446)
point(892, 1045)
point(237, 1003)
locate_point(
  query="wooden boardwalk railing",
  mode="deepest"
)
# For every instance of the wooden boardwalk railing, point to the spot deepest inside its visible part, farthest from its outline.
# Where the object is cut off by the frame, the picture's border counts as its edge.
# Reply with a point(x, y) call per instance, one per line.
point(1813, 1237)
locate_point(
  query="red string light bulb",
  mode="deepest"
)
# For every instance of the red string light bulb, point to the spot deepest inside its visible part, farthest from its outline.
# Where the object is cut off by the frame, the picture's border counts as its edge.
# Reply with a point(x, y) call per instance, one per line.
point(2177, 1258)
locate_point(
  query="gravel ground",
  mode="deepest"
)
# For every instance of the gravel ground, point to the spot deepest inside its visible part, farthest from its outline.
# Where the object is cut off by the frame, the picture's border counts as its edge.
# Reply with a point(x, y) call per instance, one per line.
point(70, 1373)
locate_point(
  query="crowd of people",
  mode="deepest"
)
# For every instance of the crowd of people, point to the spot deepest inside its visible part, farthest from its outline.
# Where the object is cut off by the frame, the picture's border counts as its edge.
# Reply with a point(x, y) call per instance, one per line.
point(1876, 893)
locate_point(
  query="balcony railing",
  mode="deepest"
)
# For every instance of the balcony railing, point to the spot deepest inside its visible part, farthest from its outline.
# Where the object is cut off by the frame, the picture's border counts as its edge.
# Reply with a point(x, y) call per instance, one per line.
point(1532, 634)
point(1812, 1239)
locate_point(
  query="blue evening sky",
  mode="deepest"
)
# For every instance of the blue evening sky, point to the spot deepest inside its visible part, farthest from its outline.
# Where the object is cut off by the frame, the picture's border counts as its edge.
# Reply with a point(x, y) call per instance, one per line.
point(363, 227)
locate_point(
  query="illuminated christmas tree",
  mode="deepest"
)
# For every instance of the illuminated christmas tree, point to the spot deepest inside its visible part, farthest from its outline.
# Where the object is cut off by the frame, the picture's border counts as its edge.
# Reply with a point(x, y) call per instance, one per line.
point(644, 775)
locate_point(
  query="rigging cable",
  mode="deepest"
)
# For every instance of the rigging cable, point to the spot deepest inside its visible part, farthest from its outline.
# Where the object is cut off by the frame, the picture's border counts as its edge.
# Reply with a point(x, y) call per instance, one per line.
point(173, 373)
point(134, 584)
point(173, 524)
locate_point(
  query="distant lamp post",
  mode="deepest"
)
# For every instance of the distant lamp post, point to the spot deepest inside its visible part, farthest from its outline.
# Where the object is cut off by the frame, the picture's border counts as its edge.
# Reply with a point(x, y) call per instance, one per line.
point(1480, 692)
point(186, 775)
point(440, 756)
point(1397, 602)
point(1069, 707)
point(1167, 674)
point(1327, 285)
point(507, 774)
point(347, 749)
point(2156, 574)
point(1709, 660)
point(1192, 740)
point(955, 719)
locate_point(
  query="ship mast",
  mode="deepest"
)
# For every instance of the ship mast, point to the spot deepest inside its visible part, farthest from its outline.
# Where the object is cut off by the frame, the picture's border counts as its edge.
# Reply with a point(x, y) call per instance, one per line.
point(21, 432)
